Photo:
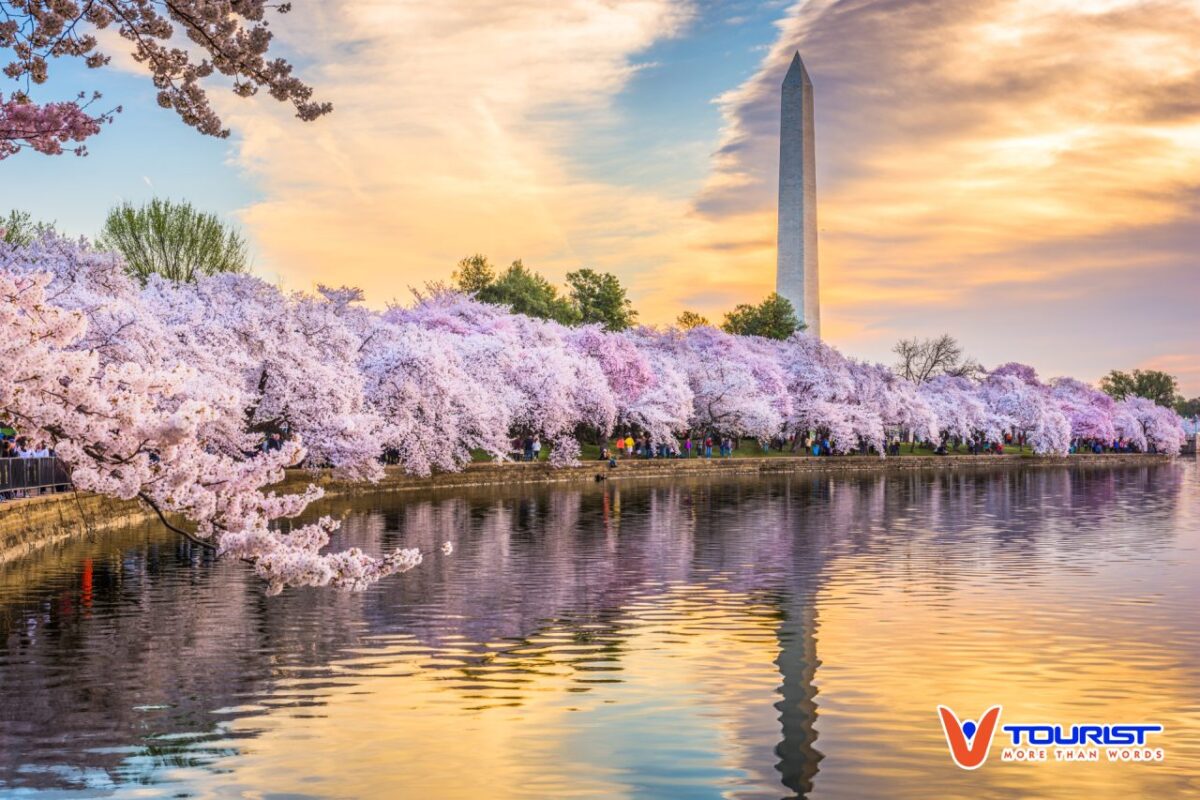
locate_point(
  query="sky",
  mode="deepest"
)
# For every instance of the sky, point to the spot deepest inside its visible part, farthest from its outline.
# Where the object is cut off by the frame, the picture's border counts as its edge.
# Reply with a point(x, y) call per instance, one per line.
point(1022, 174)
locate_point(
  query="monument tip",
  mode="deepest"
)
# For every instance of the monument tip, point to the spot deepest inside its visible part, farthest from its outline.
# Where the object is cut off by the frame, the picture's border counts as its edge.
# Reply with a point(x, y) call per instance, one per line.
point(796, 71)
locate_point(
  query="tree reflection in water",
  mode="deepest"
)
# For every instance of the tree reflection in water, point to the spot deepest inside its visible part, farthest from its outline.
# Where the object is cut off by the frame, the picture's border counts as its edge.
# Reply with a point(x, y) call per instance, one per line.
point(132, 658)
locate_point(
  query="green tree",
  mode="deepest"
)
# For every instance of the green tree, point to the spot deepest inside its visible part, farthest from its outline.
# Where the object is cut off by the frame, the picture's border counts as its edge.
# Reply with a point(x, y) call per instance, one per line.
point(690, 319)
point(1152, 384)
point(600, 297)
point(1188, 408)
point(774, 318)
point(474, 274)
point(19, 229)
point(173, 240)
point(528, 293)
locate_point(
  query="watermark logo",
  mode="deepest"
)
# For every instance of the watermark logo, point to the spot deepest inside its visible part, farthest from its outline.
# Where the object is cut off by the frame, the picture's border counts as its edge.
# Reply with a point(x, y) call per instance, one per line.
point(969, 741)
point(1033, 743)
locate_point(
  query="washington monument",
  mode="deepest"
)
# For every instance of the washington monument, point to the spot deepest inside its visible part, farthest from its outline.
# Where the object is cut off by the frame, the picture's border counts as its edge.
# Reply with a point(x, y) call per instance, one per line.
point(796, 268)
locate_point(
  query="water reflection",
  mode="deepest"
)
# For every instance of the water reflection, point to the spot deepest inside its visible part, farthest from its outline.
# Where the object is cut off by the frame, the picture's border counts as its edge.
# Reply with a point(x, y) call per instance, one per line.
point(767, 637)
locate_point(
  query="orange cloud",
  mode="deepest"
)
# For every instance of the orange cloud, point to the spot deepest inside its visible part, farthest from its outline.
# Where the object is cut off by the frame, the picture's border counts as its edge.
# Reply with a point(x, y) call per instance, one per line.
point(453, 132)
point(968, 148)
point(969, 152)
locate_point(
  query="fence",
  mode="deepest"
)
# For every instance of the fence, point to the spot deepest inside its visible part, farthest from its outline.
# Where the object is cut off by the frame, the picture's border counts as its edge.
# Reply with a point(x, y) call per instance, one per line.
point(20, 477)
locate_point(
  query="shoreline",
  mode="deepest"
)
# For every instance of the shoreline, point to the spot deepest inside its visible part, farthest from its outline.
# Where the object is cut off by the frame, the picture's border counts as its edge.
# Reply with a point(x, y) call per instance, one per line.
point(29, 524)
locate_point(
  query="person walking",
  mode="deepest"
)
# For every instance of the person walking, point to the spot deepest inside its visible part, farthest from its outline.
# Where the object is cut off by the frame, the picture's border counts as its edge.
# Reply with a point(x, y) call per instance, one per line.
point(708, 443)
point(537, 448)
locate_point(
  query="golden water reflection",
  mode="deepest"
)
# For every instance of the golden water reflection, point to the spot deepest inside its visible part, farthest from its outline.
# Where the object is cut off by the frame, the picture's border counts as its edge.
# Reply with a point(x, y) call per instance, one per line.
point(750, 638)
point(567, 712)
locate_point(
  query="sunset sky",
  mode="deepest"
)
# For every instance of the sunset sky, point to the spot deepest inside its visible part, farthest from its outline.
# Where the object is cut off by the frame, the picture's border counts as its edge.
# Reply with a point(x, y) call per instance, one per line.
point(1023, 174)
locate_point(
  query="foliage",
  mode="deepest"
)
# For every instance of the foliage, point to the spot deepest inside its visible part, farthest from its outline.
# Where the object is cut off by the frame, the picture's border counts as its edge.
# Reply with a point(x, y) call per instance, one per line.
point(172, 240)
point(1152, 384)
point(690, 319)
point(229, 37)
point(922, 359)
point(773, 318)
point(599, 297)
point(1188, 408)
point(1148, 425)
point(592, 297)
point(474, 274)
point(19, 228)
point(526, 292)
point(137, 412)
point(164, 392)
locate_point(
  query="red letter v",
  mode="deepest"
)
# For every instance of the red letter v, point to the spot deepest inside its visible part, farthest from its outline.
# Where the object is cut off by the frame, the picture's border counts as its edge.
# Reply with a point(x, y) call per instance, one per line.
point(969, 755)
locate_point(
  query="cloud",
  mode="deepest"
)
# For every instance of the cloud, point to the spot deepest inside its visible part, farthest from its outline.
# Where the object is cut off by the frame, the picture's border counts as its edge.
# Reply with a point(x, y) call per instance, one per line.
point(457, 128)
point(981, 164)
point(970, 149)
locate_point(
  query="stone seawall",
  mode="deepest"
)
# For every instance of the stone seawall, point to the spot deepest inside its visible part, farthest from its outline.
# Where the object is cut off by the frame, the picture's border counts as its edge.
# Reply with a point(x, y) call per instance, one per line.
point(527, 473)
point(33, 522)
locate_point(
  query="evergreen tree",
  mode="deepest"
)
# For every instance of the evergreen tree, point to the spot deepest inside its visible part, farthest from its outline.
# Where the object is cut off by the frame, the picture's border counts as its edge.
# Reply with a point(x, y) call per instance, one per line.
point(773, 318)
point(528, 293)
point(600, 297)
point(1152, 384)
point(474, 274)
point(690, 319)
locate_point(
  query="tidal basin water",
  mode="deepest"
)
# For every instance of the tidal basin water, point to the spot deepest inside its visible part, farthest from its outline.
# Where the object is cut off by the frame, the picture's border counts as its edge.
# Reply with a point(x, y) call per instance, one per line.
point(767, 637)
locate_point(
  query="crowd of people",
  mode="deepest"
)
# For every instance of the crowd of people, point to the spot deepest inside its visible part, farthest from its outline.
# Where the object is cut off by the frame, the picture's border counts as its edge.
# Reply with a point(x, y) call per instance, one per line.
point(638, 445)
point(161, 391)
point(15, 448)
point(642, 446)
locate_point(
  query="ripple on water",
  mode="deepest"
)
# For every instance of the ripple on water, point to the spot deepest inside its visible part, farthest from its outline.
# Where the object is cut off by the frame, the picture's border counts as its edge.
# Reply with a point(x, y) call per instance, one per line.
point(746, 638)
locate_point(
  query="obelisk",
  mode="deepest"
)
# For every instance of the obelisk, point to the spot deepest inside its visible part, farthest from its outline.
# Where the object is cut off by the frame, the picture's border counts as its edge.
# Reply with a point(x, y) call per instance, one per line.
point(796, 266)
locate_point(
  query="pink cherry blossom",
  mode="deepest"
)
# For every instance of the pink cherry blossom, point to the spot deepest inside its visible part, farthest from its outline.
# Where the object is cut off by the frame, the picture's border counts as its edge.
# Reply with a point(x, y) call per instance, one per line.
point(165, 393)
point(45, 128)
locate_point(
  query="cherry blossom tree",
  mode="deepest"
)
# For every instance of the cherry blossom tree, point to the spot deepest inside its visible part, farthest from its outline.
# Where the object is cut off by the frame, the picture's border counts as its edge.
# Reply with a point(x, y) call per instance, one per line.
point(136, 430)
point(539, 384)
point(1022, 404)
point(1148, 425)
point(164, 393)
point(826, 393)
point(651, 393)
point(897, 402)
point(736, 384)
point(1089, 410)
point(183, 44)
point(431, 411)
point(292, 357)
point(47, 127)
point(959, 409)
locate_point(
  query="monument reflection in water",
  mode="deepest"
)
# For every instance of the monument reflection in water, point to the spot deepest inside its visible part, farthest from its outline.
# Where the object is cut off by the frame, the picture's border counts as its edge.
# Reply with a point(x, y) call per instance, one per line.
point(753, 638)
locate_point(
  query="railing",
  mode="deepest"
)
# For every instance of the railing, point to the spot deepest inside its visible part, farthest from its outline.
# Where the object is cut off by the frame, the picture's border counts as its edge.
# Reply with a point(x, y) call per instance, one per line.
point(22, 477)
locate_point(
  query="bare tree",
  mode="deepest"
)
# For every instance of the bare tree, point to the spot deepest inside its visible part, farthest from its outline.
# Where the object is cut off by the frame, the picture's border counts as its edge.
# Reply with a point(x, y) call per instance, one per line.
point(922, 359)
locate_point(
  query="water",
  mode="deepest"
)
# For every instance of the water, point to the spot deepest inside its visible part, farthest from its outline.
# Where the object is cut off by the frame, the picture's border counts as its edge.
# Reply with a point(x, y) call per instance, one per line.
point(743, 638)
